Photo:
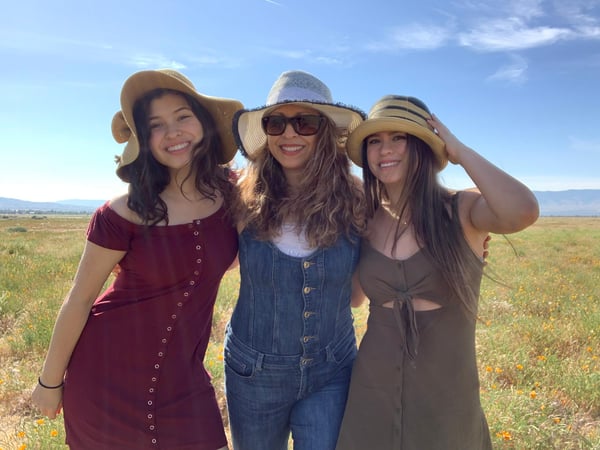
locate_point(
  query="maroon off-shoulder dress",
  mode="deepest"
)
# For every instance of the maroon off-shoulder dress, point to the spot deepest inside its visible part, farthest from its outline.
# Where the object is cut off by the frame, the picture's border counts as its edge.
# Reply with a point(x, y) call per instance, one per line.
point(136, 379)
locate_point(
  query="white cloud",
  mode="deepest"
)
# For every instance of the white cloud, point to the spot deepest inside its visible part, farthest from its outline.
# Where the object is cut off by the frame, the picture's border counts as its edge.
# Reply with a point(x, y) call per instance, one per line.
point(329, 60)
point(523, 24)
point(412, 37)
point(291, 54)
point(153, 61)
point(526, 9)
point(511, 34)
point(307, 55)
point(490, 8)
point(208, 60)
point(29, 42)
point(579, 13)
point(494, 26)
point(589, 32)
point(515, 72)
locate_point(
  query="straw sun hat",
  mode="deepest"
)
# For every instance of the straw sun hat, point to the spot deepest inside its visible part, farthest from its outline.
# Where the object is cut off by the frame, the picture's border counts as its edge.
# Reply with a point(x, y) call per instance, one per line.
point(296, 87)
point(140, 83)
point(397, 113)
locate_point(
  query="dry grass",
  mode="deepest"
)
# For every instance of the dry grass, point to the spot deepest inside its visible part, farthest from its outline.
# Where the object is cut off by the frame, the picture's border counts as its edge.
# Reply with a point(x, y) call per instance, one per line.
point(538, 340)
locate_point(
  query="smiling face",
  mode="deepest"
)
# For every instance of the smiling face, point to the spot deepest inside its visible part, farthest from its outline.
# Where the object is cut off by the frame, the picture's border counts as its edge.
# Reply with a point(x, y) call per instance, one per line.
point(388, 158)
point(290, 149)
point(174, 131)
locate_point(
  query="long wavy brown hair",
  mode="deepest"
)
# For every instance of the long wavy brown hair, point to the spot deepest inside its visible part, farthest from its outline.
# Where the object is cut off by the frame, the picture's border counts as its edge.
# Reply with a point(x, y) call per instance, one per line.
point(429, 206)
point(328, 203)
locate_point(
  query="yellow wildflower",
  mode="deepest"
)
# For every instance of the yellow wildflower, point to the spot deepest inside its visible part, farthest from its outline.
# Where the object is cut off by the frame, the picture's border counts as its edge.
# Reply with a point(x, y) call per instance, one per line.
point(505, 435)
point(533, 394)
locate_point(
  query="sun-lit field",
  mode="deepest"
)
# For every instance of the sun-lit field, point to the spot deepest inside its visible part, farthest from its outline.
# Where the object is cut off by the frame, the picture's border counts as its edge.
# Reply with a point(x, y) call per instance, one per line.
point(538, 339)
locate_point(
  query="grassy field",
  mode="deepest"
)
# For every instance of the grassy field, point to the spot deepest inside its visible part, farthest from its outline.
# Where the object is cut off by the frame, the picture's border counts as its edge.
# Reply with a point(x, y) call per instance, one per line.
point(538, 341)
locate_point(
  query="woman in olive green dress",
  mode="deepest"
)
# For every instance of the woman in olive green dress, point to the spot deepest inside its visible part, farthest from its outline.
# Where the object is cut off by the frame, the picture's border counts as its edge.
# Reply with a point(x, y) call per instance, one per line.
point(415, 384)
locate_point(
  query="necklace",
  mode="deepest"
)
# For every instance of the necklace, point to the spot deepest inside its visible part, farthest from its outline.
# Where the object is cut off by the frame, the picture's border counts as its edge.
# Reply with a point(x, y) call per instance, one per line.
point(403, 220)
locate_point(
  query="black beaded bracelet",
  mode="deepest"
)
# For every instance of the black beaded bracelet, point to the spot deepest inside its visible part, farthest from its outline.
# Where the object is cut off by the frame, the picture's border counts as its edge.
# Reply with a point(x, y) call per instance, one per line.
point(50, 387)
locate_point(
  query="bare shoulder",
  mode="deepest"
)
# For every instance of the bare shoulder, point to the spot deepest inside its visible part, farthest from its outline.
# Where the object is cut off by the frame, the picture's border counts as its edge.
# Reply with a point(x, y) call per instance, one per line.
point(119, 205)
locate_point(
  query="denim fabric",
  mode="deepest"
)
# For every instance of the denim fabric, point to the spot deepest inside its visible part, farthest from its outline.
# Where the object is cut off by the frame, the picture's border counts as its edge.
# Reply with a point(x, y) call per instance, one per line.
point(290, 346)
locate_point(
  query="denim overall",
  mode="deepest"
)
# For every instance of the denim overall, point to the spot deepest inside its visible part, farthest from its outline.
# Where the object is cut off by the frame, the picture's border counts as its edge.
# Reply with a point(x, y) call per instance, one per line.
point(290, 346)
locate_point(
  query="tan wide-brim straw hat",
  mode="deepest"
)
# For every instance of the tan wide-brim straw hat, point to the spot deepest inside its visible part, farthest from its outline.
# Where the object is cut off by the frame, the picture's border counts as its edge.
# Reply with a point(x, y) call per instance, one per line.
point(299, 88)
point(397, 113)
point(137, 85)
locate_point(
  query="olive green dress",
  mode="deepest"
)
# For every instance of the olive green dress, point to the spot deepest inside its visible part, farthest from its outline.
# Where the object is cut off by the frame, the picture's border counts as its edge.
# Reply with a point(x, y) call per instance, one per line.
point(415, 383)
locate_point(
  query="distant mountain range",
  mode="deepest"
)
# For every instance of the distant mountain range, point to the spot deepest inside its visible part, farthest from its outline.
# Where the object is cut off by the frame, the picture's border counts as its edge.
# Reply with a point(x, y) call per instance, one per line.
point(573, 202)
point(15, 206)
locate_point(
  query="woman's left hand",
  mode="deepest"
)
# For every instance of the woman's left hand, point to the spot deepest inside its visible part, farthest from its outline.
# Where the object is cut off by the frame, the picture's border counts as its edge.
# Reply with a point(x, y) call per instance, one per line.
point(454, 147)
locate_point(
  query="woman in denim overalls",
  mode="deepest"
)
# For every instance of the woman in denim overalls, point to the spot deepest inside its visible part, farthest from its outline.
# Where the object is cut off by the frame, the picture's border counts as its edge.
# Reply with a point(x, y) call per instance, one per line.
point(290, 343)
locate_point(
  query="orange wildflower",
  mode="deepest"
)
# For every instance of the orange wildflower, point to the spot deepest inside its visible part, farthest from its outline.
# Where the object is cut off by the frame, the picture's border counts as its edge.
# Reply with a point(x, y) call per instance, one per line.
point(533, 394)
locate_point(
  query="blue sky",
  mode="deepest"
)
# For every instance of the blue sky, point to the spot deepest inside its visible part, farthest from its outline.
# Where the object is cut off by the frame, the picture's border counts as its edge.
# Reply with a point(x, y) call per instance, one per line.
point(517, 80)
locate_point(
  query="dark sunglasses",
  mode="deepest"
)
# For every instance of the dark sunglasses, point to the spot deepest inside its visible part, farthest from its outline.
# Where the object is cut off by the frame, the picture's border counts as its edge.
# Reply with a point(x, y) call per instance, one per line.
point(304, 124)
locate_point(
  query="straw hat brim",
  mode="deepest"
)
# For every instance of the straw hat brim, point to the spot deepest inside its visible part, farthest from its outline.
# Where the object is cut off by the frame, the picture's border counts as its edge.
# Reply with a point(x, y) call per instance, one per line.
point(136, 86)
point(249, 134)
point(376, 125)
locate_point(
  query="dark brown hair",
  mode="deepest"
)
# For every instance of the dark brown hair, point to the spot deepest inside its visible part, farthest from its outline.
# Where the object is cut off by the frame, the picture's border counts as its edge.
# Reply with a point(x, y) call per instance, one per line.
point(148, 178)
point(430, 208)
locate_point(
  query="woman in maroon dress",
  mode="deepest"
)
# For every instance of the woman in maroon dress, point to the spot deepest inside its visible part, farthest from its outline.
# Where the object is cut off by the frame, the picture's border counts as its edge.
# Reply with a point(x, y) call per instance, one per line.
point(128, 364)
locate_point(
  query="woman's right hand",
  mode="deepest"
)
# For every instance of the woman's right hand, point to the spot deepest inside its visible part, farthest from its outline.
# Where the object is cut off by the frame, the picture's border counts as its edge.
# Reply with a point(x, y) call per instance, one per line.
point(94, 269)
point(48, 401)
